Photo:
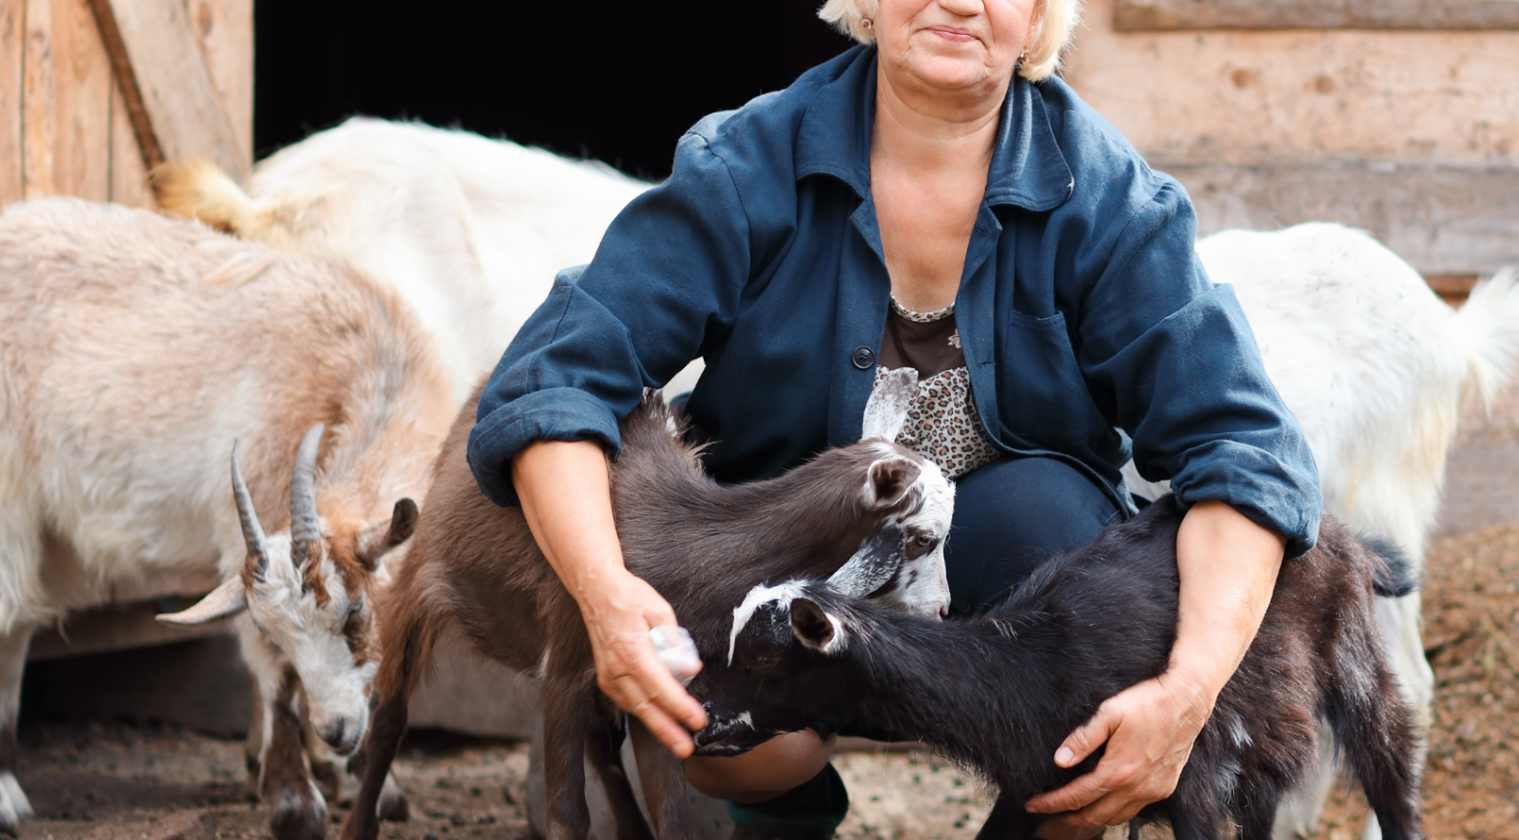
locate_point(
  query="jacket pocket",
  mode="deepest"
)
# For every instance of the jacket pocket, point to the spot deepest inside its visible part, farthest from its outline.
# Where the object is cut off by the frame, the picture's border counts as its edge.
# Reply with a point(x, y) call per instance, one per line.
point(1042, 396)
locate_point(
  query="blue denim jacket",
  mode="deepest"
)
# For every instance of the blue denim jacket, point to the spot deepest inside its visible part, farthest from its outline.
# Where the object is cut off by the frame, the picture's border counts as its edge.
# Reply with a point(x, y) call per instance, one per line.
point(1089, 327)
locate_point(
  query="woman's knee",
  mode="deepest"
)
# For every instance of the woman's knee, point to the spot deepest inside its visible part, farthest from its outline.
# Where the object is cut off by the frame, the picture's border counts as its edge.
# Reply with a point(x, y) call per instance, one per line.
point(765, 772)
point(1011, 516)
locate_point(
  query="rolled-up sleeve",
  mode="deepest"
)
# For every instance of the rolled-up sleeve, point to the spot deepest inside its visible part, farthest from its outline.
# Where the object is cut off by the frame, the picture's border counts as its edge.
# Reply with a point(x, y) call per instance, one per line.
point(665, 280)
point(1176, 360)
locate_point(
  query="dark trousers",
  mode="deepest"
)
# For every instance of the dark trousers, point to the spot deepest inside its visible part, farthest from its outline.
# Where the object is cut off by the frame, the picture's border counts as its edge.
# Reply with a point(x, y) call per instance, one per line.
point(1010, 517)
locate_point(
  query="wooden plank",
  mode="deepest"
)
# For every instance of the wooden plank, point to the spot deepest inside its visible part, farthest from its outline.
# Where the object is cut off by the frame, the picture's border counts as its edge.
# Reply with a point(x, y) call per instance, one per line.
point(224, 30)
point(166, 85)
point(38, 111)
point(1442, 220)
point(12, 64)
point(82, 103)
point(129, 175)
point(1152, 15)
point(1267, 97)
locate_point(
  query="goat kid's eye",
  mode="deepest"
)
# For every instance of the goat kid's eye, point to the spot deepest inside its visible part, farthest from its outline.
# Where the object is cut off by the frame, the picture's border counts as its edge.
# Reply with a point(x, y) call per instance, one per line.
point(925, 540)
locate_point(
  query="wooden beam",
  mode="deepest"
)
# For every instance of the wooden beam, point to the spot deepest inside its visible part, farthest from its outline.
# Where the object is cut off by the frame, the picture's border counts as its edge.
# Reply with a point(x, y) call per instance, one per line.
point(38, 106)
point(12, 69)
point(82, 103)
point(1442, 220)
point(165, 84)
point(1152, 15)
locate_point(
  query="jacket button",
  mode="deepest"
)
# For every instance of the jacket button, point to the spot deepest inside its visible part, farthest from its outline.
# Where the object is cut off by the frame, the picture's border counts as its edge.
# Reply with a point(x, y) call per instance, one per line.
point(863, 357)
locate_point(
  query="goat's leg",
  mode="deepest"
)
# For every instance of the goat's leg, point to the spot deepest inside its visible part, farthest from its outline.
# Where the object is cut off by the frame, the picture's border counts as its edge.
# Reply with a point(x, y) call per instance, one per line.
point(386, 727)
point(296, 808)
point(603, 749)
point(14, 806)
point(663, 782)
point(1194, 810)
point(567, 710)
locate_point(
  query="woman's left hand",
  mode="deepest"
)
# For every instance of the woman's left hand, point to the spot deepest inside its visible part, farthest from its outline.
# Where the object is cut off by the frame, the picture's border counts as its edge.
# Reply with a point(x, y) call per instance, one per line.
point(1149, 729)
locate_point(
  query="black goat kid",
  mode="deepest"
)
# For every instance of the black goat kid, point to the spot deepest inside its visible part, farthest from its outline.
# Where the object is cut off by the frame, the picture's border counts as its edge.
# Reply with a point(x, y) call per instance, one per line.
point(1001, 692)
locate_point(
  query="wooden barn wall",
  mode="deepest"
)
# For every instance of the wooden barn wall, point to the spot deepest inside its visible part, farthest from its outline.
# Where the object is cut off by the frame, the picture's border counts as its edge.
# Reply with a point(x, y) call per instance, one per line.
point(64, 127)
point(1411, 134)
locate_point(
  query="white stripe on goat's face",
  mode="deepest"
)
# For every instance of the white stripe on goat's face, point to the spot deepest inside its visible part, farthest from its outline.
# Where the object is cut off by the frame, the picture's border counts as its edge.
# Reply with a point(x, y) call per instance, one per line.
point(921, 586)
point(759, 596)
point(321, 627)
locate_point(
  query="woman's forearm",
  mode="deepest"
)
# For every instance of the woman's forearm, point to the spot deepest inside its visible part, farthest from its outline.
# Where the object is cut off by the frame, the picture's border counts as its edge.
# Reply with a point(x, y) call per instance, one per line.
point(1228, 567)
point(567, 501)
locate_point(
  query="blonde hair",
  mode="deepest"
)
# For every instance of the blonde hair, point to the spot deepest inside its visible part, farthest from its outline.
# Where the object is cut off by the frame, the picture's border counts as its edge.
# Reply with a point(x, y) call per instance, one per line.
point(1054, 25)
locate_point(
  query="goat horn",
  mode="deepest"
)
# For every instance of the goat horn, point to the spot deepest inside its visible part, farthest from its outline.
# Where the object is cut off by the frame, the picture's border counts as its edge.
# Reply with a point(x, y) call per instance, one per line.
point(305, 530)
point(253, 534)
point(873, 565)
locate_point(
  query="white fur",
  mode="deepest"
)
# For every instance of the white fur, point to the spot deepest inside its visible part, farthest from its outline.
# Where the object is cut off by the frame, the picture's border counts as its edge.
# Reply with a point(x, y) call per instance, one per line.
point(927, 590)
point(469, 231)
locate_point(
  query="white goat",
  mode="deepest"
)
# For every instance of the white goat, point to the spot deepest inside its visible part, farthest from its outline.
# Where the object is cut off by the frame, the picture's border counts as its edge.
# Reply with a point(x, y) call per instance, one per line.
point(1377, 369)
point(135, 351)
point(469, 231)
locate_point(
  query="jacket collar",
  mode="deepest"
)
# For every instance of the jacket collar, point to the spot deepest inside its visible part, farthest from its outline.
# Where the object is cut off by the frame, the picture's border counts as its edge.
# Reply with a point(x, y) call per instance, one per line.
point(1027, 170)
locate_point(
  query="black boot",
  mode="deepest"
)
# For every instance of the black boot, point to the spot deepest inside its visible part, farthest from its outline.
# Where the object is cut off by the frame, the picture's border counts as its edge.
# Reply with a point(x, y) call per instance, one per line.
point(809, 811)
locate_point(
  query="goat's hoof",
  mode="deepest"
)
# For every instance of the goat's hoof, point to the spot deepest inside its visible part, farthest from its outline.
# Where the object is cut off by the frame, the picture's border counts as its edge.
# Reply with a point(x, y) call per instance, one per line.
point(392, 806)
point(298, 818)
point(14, 806)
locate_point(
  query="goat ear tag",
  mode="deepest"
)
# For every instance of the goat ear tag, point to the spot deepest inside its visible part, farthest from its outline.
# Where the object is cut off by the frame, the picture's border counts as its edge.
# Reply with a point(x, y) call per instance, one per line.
point(228, 599)
point(886, 410)
point(815, 628)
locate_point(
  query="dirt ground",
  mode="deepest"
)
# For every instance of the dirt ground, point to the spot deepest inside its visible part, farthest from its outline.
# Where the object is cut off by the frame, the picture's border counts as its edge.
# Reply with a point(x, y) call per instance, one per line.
point(109, 781)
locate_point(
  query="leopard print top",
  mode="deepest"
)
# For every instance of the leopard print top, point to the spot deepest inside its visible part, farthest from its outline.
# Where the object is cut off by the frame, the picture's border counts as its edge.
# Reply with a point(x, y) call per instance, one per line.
point(942, 422)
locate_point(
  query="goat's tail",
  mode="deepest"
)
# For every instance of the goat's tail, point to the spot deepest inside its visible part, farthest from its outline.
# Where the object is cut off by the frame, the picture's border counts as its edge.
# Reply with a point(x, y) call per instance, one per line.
point(1489, 325)
point(199, 189)
point(1395, 576)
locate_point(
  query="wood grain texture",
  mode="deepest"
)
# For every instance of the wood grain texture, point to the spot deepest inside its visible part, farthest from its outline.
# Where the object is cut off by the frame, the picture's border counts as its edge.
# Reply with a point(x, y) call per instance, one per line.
point(129, 175)
point(1442, 220)
point(12, 58)
point(1267, 97)
point(38, 107)
point(1138, 15)
point(82, 103)
point(224, 30)
point(166, 85)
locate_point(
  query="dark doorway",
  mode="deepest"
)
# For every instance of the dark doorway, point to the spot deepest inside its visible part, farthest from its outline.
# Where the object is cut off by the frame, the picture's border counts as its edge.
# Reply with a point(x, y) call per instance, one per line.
point(615, 81)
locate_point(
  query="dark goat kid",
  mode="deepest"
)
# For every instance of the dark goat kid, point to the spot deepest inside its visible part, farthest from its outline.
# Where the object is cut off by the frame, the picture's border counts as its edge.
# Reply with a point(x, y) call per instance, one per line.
point(475, 569)
point(1000, 693)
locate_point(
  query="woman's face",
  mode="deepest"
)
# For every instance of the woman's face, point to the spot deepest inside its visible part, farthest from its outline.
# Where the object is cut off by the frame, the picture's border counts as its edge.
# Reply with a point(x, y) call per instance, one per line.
point(954, 44)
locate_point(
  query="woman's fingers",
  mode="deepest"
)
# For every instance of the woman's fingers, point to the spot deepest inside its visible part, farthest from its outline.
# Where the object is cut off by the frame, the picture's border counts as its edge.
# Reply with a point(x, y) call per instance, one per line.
point(1149, 729)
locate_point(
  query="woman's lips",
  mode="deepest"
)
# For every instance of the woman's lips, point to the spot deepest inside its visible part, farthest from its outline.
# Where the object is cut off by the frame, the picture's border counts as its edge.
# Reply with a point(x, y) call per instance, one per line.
point(958, 36)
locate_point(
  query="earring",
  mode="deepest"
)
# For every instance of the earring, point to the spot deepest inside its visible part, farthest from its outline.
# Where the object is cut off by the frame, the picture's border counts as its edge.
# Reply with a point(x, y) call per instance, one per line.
point(867, 22)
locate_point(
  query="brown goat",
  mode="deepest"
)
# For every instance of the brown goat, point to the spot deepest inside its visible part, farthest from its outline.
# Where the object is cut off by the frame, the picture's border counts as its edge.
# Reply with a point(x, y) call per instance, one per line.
point(474, 568)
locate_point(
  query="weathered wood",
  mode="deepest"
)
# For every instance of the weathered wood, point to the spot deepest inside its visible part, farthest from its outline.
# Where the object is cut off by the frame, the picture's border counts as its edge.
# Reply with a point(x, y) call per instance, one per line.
point(12, 62)
point(82, 103)
point(165, 84)
point(1142, 15)
point(38, 108)
point(224, 30)
point(129, 175)
point(1442, 220)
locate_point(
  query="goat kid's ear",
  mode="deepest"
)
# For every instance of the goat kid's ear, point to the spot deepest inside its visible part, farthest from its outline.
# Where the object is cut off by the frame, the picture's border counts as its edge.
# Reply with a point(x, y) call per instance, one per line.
point(228, 599)
point(886, 410)
point(381, 537)
point(873, 565)
point(815, 628)
point(889, 480)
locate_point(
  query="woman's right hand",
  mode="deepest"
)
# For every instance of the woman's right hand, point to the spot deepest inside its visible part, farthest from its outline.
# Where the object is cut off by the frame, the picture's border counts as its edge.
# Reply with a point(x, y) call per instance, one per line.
point(618, 613)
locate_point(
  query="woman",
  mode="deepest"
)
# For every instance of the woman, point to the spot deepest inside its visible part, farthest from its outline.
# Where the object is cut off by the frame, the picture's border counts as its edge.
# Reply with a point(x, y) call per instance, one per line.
point(932, 199)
